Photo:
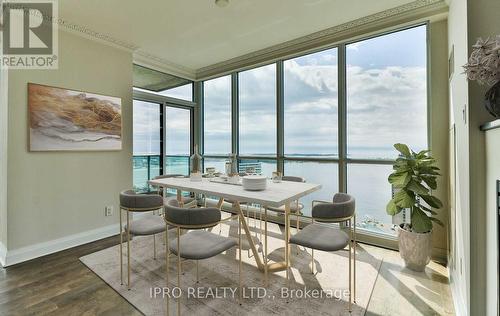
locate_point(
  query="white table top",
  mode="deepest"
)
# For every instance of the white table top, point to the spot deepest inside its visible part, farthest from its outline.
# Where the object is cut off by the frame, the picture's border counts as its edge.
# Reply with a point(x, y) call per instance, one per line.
point(275, 195)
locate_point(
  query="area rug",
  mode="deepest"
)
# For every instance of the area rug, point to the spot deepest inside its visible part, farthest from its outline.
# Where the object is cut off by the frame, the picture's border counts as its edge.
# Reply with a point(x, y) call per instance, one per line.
point(216, 292)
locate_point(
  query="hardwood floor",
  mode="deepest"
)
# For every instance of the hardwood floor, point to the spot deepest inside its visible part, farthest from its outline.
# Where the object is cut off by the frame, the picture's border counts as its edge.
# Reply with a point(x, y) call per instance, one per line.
point(59, 284)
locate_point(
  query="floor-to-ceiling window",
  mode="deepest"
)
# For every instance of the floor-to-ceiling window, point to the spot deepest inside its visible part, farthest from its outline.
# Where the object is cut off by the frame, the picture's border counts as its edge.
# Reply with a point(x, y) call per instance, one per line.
point(386, 88)
point(257, 145)
point(162, 125)
point(146, 143)
point(310, 106)
point(330, 116)
point(217, 126)
point(177, 140)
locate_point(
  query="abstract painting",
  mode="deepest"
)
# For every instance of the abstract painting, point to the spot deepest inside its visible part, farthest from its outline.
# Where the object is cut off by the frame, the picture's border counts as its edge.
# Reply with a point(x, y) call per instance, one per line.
point(66, 120)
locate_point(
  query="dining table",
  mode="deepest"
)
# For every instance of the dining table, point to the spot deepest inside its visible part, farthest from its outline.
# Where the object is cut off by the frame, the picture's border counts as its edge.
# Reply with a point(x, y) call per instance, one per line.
point(276, 194)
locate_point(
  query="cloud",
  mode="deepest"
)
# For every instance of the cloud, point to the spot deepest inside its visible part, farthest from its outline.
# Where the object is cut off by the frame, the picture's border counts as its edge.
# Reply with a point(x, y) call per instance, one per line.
point(384, 105)
point(146, 136)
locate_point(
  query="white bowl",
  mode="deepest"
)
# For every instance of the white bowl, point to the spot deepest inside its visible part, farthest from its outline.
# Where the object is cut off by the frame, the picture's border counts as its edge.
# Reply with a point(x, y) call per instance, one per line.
point(254, 183)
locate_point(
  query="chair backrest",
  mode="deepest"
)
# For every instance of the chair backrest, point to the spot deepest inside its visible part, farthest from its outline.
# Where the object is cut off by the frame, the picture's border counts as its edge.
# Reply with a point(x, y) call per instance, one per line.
point(130, 200)
point(192, 218)
point(293, 179)
point(342, 208)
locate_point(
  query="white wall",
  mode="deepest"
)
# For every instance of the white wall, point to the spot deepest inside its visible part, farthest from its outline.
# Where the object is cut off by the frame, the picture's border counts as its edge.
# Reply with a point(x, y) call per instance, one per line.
point(57, 199)
point(483, 21)
point(492, 175)
point(3, 161)
point(438, 88)
point(459, 261)
point(472, 277)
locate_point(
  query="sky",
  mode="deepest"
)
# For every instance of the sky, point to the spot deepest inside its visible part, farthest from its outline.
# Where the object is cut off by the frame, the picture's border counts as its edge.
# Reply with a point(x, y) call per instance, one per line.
point(386, 103)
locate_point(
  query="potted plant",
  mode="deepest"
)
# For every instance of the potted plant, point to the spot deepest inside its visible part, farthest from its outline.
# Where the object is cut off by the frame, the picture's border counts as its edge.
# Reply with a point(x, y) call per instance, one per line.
point(414, 177)
point(484, 67)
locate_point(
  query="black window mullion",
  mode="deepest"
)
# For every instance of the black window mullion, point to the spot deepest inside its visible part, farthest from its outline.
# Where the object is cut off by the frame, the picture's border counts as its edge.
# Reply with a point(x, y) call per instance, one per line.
point(342, 118)
point(162, 140)
point(280, 116)
point(235, 113)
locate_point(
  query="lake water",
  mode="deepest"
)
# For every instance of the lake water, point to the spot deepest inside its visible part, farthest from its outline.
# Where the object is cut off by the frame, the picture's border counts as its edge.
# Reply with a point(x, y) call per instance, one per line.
point(367, 183)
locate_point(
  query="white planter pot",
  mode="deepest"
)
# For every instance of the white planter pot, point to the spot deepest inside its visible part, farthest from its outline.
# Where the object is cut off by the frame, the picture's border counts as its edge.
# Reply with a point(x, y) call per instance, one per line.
point(415, 249)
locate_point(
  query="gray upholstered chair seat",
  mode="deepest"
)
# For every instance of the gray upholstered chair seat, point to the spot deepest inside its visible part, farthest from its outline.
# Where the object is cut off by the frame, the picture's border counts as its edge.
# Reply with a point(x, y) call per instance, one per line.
point(321, 237)
point(293, 208)
point(200, 244)
point(131, 200)
point(185, 199)
point(148, 224)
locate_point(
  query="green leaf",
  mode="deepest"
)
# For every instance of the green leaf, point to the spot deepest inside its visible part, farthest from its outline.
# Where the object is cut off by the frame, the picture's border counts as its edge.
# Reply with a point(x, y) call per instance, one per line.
point(404, 199)
point(392, 208)
point(423, 153)
point(417, 188)
point(437, 221)
point(403, 149)
point(399, 179)
point(420, 222)
point(427, 171)
point(432, 201)
point(423, 208)
point(430, 181)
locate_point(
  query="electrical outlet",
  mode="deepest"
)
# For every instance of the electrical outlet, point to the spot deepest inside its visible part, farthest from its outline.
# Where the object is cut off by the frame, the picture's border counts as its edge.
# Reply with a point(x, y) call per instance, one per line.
point(108, 211)
point(464, 114)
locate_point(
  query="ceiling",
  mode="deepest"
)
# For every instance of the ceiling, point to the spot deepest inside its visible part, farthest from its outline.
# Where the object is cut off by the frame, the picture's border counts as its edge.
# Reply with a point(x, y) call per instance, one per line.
point(192, 34)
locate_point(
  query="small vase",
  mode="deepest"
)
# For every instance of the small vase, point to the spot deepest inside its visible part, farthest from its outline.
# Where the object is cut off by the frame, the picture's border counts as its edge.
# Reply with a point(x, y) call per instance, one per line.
point(492, 100)
point(195, 172)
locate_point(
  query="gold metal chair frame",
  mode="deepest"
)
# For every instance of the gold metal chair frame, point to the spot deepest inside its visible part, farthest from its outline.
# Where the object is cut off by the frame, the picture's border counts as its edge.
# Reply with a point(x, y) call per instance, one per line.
point(128, 210)
point(352, 250)
point(178, 229)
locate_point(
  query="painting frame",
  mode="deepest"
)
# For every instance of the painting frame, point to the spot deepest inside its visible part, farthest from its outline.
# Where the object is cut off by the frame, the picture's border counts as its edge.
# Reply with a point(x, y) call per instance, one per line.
point(51, 131)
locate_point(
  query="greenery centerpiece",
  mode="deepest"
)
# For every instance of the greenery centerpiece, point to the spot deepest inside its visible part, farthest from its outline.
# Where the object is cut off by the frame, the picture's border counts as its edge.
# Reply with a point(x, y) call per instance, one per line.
point(415, 176)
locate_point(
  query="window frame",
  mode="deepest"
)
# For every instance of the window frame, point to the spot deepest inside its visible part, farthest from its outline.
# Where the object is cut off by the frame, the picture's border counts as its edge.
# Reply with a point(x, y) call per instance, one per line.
point(164, 102)
point(343, 161)
point(202, 117)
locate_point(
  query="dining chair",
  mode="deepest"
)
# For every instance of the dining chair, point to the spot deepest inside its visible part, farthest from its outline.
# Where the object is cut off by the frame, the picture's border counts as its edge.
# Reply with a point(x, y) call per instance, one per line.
point(187, 201)
point(323, 237)
point(146, 225)
point(296, 207)
point(196, 244)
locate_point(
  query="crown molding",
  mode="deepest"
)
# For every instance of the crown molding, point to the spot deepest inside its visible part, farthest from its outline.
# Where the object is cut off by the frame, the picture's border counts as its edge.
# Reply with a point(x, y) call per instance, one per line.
point(88, 33)
point(152, 61)
point(409, 12)
point(139, 56)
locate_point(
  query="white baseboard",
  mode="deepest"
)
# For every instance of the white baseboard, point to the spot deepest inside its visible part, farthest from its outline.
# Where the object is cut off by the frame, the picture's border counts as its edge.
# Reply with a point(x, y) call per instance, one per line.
point(19, 255)
point(458, 302)
point(3, 254)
